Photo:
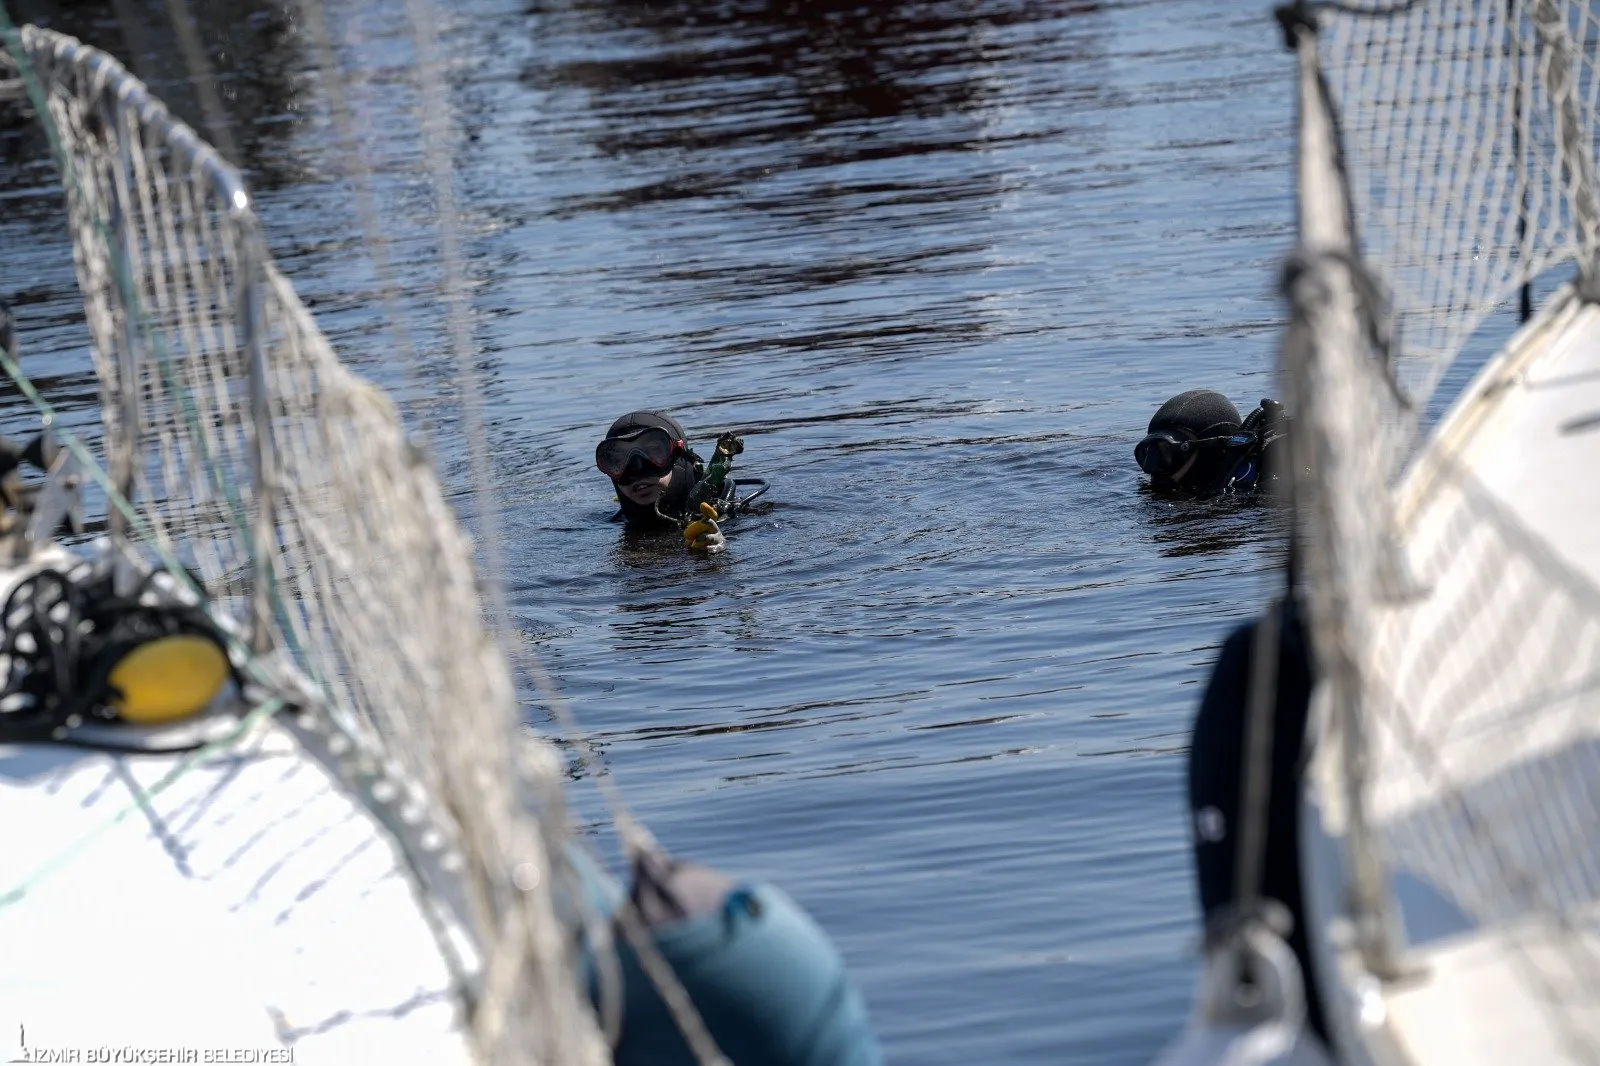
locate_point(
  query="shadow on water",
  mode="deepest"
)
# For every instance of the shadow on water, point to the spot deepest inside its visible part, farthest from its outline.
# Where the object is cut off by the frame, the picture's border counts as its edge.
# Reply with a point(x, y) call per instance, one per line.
point(1182, 526)
point(657, 550)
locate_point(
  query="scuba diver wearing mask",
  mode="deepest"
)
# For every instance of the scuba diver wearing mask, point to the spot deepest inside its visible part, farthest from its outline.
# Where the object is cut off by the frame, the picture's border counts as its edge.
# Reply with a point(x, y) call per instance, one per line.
point(1198, 444)
point(662, 484)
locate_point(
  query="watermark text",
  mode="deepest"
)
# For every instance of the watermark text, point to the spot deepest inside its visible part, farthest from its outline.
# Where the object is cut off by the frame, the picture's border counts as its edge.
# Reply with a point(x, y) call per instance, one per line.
point(133, 1053)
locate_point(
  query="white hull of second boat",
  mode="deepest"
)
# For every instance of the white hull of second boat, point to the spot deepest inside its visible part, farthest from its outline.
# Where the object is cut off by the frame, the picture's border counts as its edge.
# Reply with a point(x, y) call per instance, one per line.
point(1482, 768)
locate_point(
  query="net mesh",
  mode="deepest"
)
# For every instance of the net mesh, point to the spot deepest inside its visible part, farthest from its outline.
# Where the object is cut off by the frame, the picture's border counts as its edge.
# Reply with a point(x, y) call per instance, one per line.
point(1446, 158)
point(1468, 131)
point(239, 436)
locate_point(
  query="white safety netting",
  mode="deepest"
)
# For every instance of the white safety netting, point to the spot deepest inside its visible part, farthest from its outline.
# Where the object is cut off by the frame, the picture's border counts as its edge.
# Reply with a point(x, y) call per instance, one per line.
point(1468, 128)
point(1447, 158)
point(288, 485)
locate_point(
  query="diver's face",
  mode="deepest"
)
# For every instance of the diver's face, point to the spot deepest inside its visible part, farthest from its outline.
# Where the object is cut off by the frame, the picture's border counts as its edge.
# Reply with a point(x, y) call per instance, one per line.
point(646, 491)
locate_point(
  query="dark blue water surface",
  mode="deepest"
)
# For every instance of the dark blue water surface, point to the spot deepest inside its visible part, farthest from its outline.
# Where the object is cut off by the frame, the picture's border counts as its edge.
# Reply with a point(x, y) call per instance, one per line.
point(939, 262)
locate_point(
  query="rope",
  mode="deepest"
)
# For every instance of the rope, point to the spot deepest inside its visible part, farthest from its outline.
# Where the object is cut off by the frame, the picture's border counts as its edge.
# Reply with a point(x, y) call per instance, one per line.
point(1336, 325)
point(1523, 89)
point(1574, 142)
point(361, 184)
point(239, 651)
point(436, 129)
point(122, 266)
point(205, 82)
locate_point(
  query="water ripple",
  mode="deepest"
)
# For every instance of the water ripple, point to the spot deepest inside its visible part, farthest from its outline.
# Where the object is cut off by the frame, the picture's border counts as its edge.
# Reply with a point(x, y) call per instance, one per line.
point(938, 260)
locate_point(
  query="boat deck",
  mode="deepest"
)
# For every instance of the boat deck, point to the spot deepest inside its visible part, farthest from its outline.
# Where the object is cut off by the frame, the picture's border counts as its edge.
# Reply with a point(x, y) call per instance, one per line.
point(252, 908)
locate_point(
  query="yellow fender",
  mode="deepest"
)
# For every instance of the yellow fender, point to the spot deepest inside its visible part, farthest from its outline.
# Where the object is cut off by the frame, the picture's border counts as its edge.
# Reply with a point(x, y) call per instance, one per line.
point(167, 679)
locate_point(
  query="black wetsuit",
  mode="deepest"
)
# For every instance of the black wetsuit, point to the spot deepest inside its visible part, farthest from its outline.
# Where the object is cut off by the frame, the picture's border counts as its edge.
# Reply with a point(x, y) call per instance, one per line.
point(1216, 764)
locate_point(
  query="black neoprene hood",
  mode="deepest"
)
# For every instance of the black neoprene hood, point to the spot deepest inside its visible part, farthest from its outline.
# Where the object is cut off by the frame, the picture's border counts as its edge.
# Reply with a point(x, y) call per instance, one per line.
point(637, 420)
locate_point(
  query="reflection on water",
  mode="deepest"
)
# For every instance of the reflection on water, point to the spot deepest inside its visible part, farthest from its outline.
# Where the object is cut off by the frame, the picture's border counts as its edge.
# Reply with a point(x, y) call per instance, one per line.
point(816, 73)
point(251, 48)
point(937, 261)
point(794, 123)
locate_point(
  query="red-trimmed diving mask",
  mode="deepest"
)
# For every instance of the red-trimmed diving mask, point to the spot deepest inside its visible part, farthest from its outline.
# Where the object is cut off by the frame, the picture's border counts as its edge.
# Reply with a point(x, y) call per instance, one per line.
point(644, 453)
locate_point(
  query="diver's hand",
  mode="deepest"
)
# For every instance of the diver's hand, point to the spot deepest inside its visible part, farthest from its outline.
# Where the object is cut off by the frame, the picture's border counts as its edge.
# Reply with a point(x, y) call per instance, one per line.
point(703, 534)
point(730, 445)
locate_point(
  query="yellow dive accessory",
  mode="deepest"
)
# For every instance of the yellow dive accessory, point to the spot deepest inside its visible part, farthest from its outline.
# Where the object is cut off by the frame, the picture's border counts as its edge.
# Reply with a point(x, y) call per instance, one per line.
point(703, 534)
point(167, 679)
point(83, 654)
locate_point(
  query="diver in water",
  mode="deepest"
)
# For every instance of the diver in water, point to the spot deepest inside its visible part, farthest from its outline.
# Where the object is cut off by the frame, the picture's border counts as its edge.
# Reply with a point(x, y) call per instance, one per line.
point(647, 457)
point(1198, 445)
point(662, 484)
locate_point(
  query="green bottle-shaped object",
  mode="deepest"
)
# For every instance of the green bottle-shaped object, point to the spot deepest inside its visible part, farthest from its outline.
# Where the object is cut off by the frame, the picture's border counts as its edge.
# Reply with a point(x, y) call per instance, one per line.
point(710, 486)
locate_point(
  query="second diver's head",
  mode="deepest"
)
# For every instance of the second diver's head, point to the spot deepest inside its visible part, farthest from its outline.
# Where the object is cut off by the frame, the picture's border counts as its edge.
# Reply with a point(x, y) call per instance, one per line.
point(1166, 452)
point(638, 455)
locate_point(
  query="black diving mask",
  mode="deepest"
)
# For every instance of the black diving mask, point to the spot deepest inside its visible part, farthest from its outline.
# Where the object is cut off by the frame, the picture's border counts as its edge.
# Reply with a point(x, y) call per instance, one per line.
point(1171, 455)
point(644, 453)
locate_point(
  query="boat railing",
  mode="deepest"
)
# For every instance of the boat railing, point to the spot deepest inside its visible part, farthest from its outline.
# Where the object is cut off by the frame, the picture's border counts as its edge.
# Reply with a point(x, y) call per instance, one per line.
point(241, 450)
